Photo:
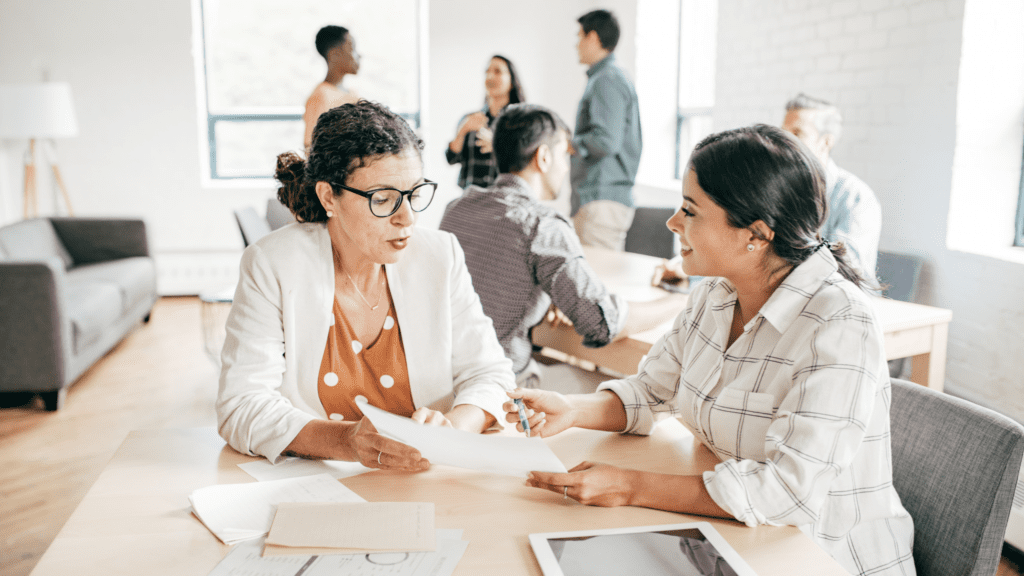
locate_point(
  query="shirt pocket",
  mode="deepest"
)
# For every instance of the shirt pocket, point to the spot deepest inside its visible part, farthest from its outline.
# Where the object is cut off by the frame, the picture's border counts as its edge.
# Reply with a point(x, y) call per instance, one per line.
point(739, 423)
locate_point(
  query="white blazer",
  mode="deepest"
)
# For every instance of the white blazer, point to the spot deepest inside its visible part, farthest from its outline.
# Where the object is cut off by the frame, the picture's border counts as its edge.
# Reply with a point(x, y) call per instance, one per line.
point(277, 331)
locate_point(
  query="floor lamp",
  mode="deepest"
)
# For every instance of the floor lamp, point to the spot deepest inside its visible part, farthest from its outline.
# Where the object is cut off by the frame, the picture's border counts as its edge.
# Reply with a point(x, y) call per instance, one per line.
point(42, 112)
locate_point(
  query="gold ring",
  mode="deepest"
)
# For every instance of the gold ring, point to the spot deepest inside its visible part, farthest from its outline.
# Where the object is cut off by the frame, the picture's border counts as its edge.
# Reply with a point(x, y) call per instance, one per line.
point(379, 454)
point(565, 492)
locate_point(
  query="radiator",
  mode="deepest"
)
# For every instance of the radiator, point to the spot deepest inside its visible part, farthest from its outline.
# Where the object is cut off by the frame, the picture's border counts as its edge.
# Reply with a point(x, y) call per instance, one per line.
point(192, 273)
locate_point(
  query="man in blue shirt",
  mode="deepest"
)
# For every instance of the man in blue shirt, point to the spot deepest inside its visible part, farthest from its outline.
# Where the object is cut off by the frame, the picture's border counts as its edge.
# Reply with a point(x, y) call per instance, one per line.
point(854, 214)
point(607, 142)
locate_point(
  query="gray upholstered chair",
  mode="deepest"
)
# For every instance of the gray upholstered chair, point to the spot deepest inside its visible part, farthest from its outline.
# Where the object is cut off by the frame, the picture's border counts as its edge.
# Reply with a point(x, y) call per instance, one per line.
point(648, 233)
point(955, 467)
point(252, 225)
point(278, 214)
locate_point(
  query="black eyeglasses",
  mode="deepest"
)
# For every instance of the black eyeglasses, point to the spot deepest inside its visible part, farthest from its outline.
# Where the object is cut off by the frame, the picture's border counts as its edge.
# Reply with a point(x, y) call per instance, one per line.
point(386, 201)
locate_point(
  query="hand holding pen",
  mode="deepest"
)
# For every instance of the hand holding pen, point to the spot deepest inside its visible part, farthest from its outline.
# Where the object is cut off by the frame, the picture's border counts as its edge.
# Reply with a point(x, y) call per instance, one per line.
point(538, 412)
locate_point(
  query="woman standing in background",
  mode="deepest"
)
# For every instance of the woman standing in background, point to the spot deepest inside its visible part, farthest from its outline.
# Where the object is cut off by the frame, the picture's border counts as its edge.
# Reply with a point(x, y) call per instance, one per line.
point(471, 146)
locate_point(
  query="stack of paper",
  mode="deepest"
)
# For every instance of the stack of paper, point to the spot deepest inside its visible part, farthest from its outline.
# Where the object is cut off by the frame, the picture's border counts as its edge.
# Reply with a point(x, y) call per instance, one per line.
point(263, 470)
point(245, 560)
point(351, 528)
point(236, 512)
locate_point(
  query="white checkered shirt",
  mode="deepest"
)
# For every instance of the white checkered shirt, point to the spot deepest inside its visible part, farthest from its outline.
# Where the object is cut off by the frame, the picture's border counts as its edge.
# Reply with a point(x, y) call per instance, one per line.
point(797, 409)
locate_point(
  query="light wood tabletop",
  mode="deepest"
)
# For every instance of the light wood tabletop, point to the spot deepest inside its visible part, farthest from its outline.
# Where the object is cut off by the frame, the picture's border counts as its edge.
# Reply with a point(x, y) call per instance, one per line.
point(136, 518)
point(910, 330)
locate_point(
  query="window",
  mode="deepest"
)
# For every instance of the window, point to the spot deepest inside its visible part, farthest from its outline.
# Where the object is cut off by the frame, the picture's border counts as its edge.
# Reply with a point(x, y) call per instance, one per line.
point(1018, 236)
point(698, 25)
point(257, 64)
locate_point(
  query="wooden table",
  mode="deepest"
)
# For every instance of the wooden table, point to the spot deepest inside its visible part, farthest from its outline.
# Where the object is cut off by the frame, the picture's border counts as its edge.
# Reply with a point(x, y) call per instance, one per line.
point(136, 518)
point(911, 330)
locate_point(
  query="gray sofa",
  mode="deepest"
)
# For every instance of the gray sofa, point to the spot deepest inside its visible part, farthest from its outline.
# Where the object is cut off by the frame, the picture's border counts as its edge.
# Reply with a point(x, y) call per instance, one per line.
point(70, 289)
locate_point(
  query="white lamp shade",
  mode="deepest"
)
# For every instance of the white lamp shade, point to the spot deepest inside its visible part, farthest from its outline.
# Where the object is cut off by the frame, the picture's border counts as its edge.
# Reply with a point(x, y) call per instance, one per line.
point(37, 111)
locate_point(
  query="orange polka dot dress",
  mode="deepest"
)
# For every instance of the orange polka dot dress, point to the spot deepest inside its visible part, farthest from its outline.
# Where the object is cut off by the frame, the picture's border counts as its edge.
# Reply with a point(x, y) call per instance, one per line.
point(376, 371)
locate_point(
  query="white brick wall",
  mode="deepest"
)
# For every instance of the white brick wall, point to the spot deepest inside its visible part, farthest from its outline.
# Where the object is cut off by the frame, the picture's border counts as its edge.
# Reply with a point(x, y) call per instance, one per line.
point(893, 68)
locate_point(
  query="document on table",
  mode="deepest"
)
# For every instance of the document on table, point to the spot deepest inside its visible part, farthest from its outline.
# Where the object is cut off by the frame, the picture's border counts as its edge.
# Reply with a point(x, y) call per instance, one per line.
point(351, 528)
point(236, 512)
point(263, 470)
point(511, 456)
point(245, 560)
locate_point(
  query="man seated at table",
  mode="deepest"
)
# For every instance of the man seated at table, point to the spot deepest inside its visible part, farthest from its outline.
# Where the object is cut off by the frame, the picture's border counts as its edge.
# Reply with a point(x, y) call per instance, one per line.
point(523, 255)
point(854, 214)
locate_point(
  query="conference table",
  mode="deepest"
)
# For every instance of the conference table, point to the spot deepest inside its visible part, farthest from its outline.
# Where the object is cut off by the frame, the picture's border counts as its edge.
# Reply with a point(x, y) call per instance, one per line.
point(911, 330)
point(136, 518)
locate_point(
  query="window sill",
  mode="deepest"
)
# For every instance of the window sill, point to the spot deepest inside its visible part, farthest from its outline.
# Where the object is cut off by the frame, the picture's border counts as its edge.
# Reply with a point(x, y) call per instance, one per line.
point(1013, 254)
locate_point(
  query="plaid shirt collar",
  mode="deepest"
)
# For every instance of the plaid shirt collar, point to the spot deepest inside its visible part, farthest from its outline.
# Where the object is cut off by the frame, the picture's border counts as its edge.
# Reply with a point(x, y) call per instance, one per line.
point(790, 298)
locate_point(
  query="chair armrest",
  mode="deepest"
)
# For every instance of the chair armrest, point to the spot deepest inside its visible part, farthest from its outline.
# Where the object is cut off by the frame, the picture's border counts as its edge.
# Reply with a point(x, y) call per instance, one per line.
point(35, 332)
point(101, 239)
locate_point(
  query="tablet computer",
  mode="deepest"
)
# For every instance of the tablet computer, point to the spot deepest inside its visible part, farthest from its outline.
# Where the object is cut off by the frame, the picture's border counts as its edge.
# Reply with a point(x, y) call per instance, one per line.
point(692, 549)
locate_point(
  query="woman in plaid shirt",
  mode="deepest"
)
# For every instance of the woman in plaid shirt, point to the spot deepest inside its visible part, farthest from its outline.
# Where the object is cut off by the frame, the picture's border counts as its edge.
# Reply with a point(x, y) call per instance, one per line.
point(777, 365)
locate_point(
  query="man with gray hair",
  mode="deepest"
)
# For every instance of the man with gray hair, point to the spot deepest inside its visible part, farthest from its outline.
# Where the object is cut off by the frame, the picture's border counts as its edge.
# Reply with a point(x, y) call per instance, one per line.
point(854, 214)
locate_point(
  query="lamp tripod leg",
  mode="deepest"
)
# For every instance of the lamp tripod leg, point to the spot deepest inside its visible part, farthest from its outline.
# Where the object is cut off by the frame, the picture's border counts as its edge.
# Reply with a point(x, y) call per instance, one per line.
point(31, 207)
point(63, 189)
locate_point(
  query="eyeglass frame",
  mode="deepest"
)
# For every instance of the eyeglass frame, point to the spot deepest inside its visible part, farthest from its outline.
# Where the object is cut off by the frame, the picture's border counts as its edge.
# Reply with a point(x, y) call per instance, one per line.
point(368, 194)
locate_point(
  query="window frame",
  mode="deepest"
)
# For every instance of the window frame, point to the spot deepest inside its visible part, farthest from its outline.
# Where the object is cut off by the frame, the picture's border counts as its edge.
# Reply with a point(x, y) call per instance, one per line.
point(686, 113)
point(208, 144)
point(1018, 233)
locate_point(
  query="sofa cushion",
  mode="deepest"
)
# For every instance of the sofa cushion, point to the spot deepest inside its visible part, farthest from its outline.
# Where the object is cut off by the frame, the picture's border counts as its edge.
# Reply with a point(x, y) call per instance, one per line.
point(32, 240)
point(134, 277)
point(92, 308)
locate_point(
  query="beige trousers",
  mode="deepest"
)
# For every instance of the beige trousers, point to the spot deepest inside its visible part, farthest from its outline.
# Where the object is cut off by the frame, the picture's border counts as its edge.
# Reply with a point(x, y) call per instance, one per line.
point(603, 223)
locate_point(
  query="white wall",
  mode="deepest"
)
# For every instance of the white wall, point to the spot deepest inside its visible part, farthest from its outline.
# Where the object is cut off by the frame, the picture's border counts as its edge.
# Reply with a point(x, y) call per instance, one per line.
point(131, 71)
point(892, 67)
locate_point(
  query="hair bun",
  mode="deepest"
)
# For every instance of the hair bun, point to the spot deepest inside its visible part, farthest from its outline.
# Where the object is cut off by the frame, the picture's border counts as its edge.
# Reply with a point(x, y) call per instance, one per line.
point(290, 172)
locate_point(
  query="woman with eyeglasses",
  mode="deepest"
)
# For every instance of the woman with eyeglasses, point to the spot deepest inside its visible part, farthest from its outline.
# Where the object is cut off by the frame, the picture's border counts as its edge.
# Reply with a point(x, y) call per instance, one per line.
point(353, 303)
point(472, 144)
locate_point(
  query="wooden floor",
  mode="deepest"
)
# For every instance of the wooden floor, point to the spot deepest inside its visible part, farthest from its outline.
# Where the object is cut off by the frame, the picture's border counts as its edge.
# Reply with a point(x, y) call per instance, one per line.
point(158, 377)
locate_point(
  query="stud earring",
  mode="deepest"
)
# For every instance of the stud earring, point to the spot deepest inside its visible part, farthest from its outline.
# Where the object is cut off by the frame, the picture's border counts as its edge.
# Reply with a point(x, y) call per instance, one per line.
point(331, 214)
point(750, 247)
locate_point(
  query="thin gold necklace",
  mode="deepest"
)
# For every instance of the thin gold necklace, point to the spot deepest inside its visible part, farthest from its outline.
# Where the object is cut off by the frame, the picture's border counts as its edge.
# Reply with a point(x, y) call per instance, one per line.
point(379, 293)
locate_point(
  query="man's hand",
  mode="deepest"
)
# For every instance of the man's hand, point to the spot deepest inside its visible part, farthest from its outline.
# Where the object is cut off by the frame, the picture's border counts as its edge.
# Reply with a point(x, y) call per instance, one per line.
point(669, 271)
point(556, 317)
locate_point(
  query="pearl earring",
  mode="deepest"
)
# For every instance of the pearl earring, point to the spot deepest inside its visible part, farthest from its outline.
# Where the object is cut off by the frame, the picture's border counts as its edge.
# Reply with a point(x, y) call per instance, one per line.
point(750, 247)
point(330, 214)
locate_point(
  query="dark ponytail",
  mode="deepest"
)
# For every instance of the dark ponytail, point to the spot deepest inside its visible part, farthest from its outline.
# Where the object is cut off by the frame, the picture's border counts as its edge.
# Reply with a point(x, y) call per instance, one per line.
point(764, 173)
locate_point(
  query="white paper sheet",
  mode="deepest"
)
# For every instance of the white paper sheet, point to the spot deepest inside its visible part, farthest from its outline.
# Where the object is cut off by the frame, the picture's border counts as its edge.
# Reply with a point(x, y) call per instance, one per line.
point(235, 512)
point(245, 560)
point(506, 455)
point(263, 470)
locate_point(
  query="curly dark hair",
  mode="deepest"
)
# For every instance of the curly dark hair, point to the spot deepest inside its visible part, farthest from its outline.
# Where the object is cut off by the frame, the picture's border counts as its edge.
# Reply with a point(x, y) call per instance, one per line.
point(345, 138)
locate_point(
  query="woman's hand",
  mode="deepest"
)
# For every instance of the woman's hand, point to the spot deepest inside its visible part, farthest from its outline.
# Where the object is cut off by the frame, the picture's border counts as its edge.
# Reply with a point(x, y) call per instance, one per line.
point(473, 123)
point(430, 417)
point(375, 451)
point(547, 412)
point(591, 484)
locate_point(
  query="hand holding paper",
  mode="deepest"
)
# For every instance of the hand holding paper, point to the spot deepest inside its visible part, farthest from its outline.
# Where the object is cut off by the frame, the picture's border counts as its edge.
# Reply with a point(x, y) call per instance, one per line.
point(448, 446)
